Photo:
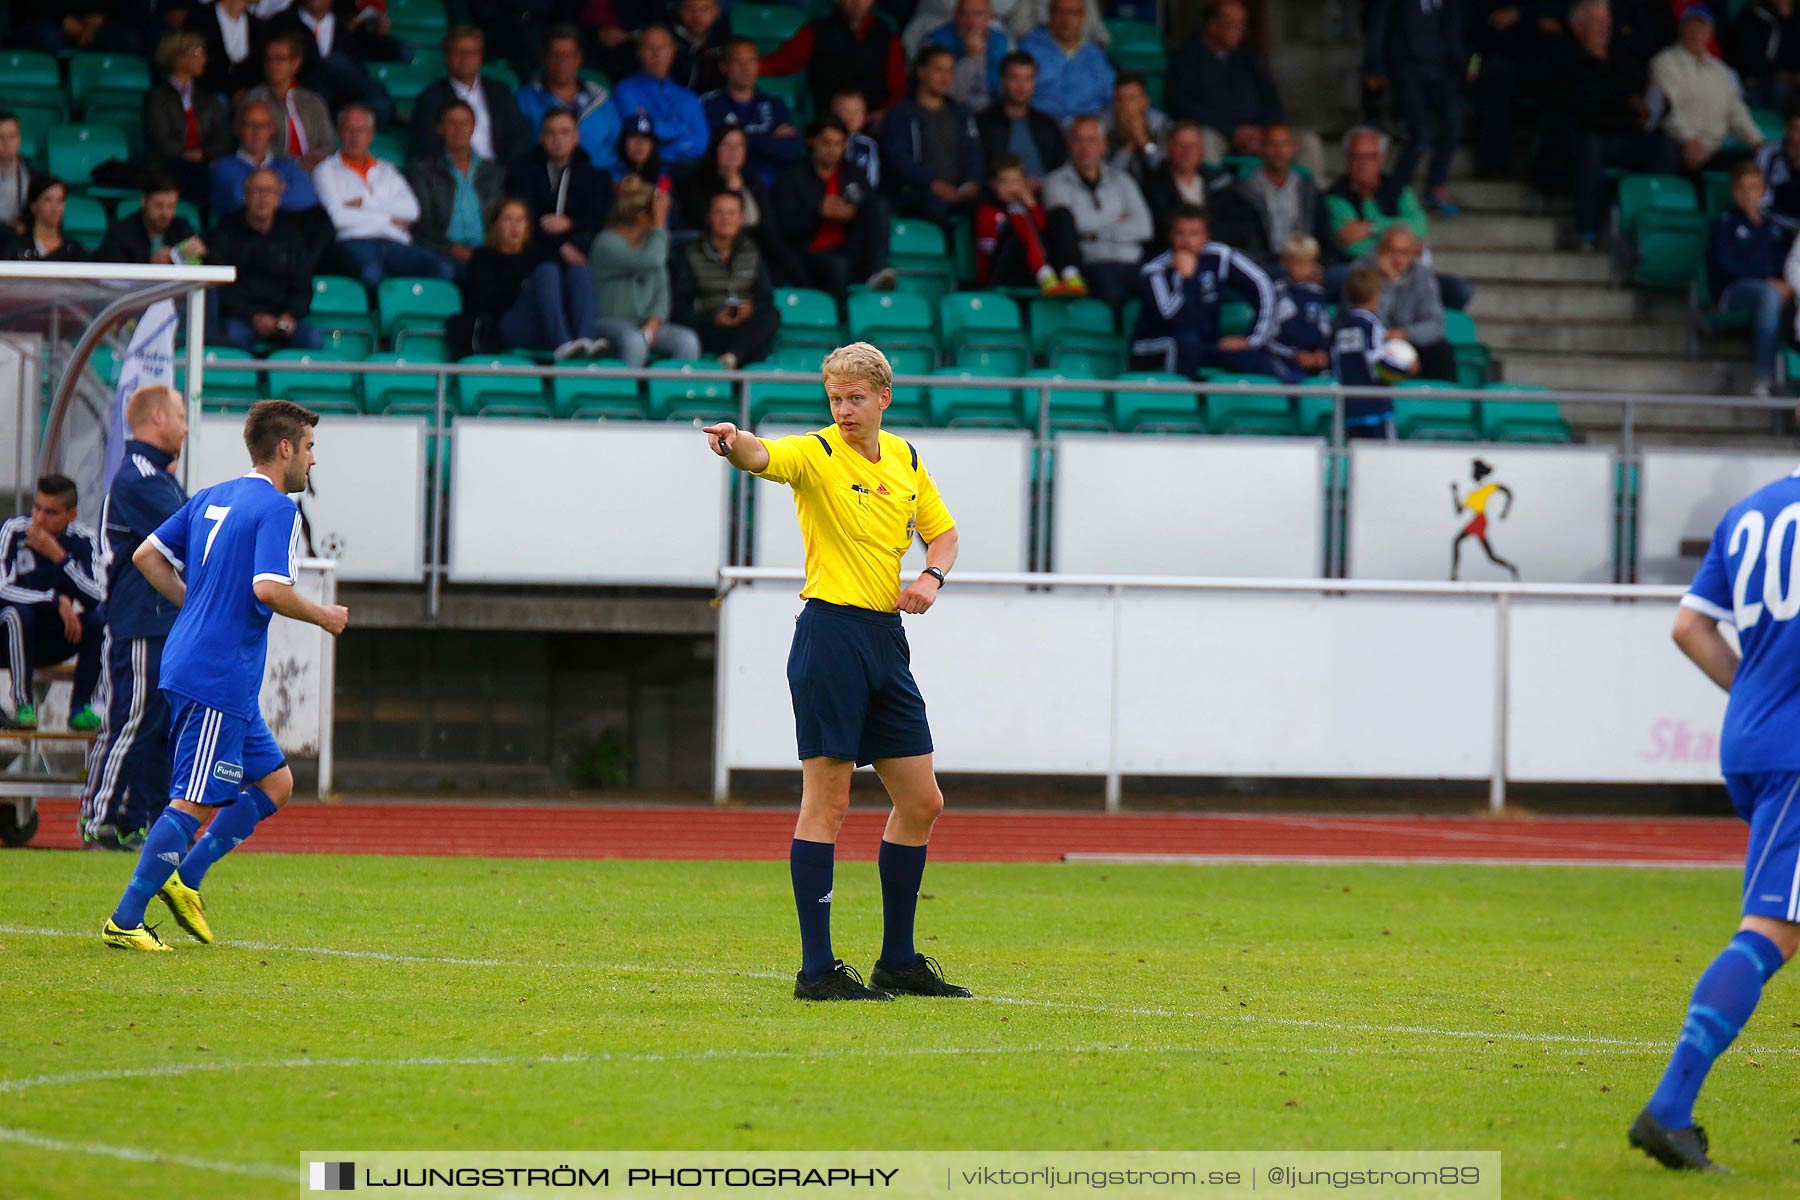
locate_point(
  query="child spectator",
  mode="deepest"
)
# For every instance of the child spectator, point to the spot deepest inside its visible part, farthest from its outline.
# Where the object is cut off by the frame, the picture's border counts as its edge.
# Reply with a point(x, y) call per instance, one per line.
point(1302, 342)
point(1359, 356)
point(1016, 245)
point(852, 108)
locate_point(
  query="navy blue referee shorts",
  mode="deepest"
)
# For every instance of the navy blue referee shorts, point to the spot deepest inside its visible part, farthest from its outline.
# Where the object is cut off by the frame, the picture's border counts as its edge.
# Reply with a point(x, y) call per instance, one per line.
point(850, 673)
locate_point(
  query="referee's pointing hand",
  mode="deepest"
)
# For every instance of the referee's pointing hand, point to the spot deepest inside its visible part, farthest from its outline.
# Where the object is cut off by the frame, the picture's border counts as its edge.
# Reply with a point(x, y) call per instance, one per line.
point(721, 437)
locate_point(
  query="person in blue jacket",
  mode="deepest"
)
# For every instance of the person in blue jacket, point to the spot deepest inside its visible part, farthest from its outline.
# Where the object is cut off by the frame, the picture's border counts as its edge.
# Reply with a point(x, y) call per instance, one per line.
point(774, 139)
point(1746, 251)
point(930, 153)
point(1075, 79)
point(1182, 294)
point(675, 111)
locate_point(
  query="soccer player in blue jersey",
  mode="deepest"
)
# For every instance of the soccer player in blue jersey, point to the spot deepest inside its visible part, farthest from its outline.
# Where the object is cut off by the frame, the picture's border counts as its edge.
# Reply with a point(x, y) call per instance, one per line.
point(227, 559)
point(1750, 578)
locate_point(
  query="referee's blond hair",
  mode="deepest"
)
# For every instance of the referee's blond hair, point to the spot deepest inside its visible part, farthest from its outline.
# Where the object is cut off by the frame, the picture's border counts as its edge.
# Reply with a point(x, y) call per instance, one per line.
point(858, 360)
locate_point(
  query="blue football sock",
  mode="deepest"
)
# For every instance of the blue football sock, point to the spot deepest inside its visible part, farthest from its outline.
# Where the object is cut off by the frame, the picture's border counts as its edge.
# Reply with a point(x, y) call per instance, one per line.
point(1722, 1004)
point(810, 865)
point(229, 828)
point(902, 867)
point(163, 848)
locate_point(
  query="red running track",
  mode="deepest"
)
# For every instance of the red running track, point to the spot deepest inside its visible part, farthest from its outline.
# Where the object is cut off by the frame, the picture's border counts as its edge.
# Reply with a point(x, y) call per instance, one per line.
point(538, 830)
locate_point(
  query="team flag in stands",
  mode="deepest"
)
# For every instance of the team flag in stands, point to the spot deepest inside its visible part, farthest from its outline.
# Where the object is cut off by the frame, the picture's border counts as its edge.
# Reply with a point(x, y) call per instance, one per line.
point(149, 359)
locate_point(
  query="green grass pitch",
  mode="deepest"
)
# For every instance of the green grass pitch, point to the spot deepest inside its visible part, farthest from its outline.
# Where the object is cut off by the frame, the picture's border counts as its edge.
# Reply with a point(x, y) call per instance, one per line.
point(639, 1005)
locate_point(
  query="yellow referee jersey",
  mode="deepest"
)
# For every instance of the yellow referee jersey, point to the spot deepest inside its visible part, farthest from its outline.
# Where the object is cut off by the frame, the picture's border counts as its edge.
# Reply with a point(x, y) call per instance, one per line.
point(857, 517)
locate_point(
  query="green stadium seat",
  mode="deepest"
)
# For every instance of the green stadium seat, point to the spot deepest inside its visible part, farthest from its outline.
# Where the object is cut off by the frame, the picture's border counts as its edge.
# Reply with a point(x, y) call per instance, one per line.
point(1258, 414)
point(421, 22)
point(994, 360)
point(808, 318)
point(792, 89)
point(1767, 119)
point(35, 124)
point(1069, 409)
point(892, 319)
point(75, 150)
point(1504, 420)
point(340, 310)
point(1715, 186)
point(123, 113)
point(1059, 321)
point(1158, 411)
point(1236, 317)
point(84, 221)
point(593, 76)
point(404, 81)
point(390, 393)
point(768, 25)
point(962, 250)
point(683, 399)
point(1315, 410)
point(414, 309)
point(91, 75)
point(390, 146)
point(322, 390)
point(916, 238)
point(959, 404)
point(1420, 417)
point(226, 385)
point(1640, 194)
point(1474, 362)
point(29, 77)
point(1137, 45)
point(605, 398)
point(508, 395)
point(803, 358)
point(501, 71)
point(1089, 362)
point(1662, 232)
point(789, 402)
point(978, 321)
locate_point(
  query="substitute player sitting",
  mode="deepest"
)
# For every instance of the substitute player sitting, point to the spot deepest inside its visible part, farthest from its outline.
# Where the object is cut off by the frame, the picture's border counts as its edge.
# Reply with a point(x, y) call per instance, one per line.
point(861, 495)
point(228, 559)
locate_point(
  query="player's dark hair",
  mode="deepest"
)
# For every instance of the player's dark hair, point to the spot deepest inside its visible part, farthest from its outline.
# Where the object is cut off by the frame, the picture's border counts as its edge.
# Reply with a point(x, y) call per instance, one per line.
point(733, 43)
point(458, 33)
point(1187, 212)
point(1017, 58)
point(156, 178)
point(59, 488)
point(14, 117)
point(928, 52)
point(289, 38)
point(1747, 167)
point(1004, 162)
point(1128, 78)
point(1362, 287)
point(272, 422)
point(451, 106)
point(563, 33)
point(825, 121)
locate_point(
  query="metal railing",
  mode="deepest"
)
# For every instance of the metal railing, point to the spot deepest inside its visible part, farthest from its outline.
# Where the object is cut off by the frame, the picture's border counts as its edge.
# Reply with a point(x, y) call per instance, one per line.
point(1502, 595)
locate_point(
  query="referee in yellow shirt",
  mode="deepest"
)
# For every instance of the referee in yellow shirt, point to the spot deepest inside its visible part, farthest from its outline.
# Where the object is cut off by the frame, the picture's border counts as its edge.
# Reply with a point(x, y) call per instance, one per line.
point(862, 495)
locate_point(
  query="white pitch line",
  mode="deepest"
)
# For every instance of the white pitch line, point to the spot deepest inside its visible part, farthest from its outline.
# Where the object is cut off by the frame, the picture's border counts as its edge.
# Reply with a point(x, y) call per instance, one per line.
point(1543, 1039)
point(1375, 860)
point(24, 1137)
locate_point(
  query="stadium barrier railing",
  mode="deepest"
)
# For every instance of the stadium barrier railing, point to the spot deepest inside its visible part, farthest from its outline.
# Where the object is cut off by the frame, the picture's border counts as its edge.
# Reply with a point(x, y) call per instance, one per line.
point(1503, 597)
point(1631, 406)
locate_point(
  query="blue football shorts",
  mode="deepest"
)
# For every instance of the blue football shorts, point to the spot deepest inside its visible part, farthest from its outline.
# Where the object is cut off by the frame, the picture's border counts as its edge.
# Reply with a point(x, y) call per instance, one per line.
point(1770, 801)
point(216, 755)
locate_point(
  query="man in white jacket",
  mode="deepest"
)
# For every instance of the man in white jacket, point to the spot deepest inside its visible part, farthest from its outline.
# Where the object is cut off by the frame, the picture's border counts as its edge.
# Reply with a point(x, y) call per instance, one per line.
point(372, 207)
point(1705, 105)
point(1111, 217)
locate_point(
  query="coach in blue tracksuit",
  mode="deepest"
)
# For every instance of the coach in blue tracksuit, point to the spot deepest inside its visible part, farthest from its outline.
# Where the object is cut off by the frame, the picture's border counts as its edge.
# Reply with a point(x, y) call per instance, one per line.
point(128, 773)
point(1746, 253)
point(50, 596)
point(1182, 292)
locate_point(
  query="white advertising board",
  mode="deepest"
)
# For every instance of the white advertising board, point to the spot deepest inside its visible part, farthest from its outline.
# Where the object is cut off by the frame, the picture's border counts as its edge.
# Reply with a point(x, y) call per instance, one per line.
point(1682, 496)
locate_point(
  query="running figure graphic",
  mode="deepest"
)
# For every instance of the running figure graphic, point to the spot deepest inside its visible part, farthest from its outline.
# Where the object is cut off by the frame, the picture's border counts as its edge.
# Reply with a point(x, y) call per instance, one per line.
point(1477, 503)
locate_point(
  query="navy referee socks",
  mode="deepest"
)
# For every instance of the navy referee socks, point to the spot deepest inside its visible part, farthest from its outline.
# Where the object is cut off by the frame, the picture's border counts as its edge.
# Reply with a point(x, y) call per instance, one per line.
point(810, 865)
point(1725, 997)
point(902, 870)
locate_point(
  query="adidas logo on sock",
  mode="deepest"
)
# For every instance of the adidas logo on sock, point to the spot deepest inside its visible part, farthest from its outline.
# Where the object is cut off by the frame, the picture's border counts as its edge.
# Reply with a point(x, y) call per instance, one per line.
point(172, 858)
point(826, 898)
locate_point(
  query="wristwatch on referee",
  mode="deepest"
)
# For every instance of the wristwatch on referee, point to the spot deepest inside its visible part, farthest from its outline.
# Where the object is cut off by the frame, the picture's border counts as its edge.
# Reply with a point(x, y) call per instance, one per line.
point(936, 573)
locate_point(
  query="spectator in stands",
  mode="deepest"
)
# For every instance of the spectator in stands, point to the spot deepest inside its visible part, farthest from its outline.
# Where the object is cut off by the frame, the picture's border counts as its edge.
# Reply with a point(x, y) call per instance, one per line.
point(1746, 255)
point(1302, 341)
point(1764, 54)
point(1778, 161)
point(154, 233)
point(673, 109)
point(834, 222)
point(1011, 125)
point(305, 132)
point(701, 36)
point(1017, 244)
point(1109, 212)
point(1412, 306)
point(1602, 87)
point(518, 28)
point(722, 288)
point(256, 136)
point(1016, 17)
point(614, 24)
point(850, 48)
point(1704, 105)
point(15, 175)
point(532, 300)
point(1181, 294)
point(372, 207)
point(774, 141)
point(67, 25)
point(500, 130)
point(1287, 202)
point(273, 293)
point(1358, 342)
point(636, 154)
point(454, 188)
point(559, 85)
point(1516, 43)
point(1218, 82)
point(1363, 203)
point(929, 146)
point(1074, 77)
point(234, 39)
point(335, 39)
point(724, 169)
point(566, 196)
point(979, 44)
point(184, 122)
point(1181, 178)
point(1417, 50)
point(1134, 130)
point(852, 109)
point(629, 262)
point(43, 240)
